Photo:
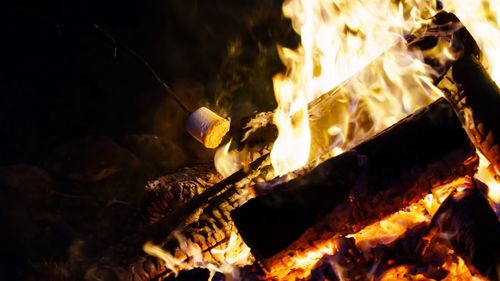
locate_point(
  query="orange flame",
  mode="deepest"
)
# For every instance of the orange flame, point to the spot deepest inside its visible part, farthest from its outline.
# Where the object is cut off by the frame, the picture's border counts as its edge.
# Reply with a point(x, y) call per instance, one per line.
point(339, 38)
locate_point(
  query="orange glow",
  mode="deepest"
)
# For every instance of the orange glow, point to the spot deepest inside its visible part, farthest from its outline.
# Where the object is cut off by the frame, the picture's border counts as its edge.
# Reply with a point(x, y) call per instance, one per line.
point(487, 174)
point(227, 161)
point(338, 39)
point(225, 258)
point(380, 233)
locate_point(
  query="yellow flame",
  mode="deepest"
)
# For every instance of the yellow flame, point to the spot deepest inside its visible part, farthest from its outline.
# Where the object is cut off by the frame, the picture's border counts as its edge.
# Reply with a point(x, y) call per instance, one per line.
point(226, 258)
point(339, 38)
point(487, 175)
point(456, 267)
point(482, 19)
point(226, 161)
point(382, 232)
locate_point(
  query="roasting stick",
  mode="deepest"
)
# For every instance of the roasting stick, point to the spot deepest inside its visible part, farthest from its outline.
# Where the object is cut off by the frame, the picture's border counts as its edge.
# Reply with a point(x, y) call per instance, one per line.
point(206, 126)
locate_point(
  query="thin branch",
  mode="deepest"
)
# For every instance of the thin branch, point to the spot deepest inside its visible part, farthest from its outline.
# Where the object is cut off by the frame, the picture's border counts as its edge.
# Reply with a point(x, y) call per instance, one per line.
point(155, 75)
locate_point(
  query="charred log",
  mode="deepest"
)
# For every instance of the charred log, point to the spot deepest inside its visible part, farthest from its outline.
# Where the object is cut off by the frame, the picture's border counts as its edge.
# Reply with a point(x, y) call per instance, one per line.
point(350, 191)
point(445, 29)
point(476, 98)
point(169, 192)
point(472, 226)
point(347, 264)
point(465, 223)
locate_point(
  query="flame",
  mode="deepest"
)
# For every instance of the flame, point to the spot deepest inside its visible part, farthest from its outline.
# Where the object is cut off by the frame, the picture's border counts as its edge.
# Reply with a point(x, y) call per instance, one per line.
point(382, 232)
point(456, 267)
point(226, 258)
point(482, 19)
point(227, 161)
point(486, 173)
point(339, 38)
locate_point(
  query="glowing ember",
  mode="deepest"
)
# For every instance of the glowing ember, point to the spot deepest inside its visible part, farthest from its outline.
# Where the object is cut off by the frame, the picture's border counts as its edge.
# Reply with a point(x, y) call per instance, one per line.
point(382, 232)
point(225, 258)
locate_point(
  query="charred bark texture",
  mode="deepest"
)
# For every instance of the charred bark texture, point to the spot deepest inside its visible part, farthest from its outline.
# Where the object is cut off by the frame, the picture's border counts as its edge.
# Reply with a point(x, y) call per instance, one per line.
point(465, 223)
point(476, 98)
point(472, 226)
point(169, 192)
point(348, 192)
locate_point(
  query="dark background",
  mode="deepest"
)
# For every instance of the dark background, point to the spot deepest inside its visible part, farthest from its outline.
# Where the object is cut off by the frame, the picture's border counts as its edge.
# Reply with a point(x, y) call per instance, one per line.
point(84, 126)
point(59, 78)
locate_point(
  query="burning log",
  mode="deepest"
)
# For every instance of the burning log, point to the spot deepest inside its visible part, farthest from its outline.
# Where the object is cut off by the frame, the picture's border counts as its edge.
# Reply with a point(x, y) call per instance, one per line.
point(463, 231)
point(168, 193)
point(476, 98)
point(472, 228)
point(348, 192)
point(445, 33)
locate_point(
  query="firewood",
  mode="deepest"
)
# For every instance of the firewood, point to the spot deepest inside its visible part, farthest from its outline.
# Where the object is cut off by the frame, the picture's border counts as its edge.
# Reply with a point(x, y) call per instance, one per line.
point(472, 226)
point(444, 29)
point(348, 192)
point(476, 98)
point(169, 192)
point(464, 227)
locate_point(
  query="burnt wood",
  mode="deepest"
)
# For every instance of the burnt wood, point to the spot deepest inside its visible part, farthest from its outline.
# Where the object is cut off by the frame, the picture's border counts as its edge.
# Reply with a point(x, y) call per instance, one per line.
point(476, 97)
point(169, 192)
point(465, 222)
point(444, 29)
point(472, 226)
point(348, 192)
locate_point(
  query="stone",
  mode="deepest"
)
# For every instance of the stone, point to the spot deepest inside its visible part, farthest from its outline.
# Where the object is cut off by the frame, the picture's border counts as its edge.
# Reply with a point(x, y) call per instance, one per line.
point(158, 151)
point(90, 159)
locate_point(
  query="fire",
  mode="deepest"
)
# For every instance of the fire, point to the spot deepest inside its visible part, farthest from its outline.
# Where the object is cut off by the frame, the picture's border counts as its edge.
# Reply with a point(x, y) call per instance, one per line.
point(225, 258)
point(487, 175)
point(382, 232)
point(339, 38)
point(482, 19)
point(226, 161)
point(457, 271)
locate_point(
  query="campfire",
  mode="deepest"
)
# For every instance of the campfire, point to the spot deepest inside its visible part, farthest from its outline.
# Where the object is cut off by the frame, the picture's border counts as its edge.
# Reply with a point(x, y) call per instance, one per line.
point(381, 161)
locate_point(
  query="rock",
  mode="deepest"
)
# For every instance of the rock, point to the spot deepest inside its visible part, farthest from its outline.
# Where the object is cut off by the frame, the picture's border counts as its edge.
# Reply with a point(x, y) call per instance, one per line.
point(25, 183)
point(90, 159)
point(158, 151)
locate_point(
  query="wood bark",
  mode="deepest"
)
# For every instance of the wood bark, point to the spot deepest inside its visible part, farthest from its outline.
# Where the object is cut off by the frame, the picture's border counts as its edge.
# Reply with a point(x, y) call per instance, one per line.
point(169, 192)
point(476, 98)
point(359, 187)
point(472, 226)
point(465, 223)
